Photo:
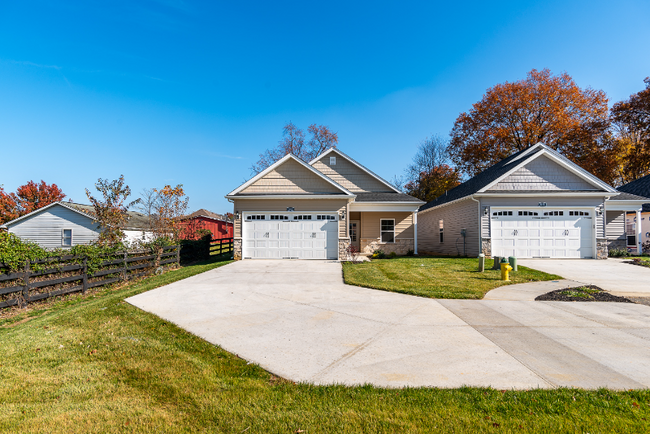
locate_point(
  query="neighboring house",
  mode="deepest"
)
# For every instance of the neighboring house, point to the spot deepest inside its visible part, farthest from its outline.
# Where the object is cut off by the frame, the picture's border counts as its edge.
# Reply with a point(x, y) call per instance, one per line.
point(640, 187)
point(533, 204)
point(316, 210)
point(66, 224)
point(218, 224)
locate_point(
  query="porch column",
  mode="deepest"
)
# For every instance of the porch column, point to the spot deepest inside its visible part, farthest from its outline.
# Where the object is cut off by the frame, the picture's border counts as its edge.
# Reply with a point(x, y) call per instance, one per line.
point(415, 232)
point(639, 233)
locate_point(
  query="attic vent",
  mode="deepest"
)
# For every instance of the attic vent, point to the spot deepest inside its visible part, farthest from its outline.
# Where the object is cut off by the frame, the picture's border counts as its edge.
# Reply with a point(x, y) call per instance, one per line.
point(332, 161)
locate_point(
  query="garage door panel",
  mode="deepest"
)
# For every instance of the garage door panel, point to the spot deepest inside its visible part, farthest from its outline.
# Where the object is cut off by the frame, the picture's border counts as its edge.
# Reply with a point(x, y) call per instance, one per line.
point(305, 238)
point(557, 233)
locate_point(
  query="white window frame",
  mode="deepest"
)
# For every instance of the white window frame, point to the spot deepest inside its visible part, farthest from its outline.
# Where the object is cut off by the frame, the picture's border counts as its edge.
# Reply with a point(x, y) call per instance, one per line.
point(382, 231)
point(63, 238)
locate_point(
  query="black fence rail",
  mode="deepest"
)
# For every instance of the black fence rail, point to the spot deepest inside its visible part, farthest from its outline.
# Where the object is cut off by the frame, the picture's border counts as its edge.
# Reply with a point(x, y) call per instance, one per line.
point(69, 274)
point(221, 246)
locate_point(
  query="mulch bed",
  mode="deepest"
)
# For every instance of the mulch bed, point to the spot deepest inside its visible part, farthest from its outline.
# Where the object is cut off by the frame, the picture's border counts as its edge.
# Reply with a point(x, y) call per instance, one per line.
point(581, 293)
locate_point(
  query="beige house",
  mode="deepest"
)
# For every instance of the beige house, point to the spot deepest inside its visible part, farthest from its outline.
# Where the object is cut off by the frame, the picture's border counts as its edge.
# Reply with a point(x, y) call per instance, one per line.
point(533, 204)
point(316, 210)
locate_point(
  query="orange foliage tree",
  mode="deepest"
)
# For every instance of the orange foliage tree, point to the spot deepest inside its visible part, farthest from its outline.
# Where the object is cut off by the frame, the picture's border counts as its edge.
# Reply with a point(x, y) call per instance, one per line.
point(171, 206)
point(541, 108)
point(631, 119)
point(433, 183)
point(28, 198)
point(294, 142)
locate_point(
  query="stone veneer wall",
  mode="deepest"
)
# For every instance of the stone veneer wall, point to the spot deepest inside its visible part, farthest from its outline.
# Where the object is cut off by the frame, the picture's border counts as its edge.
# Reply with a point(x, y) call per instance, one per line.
point(615, 244)
point(602, 248)
point(237, 243)
point(343, 249)
point(400, 246)
point(486, 247)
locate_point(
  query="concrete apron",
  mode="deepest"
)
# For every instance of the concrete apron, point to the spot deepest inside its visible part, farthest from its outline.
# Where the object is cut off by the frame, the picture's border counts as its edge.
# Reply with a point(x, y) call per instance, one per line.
point(298, 320)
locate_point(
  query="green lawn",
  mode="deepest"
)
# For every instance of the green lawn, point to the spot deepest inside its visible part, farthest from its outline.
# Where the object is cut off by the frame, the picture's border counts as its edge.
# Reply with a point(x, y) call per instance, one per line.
point(97, 364)
point(435, 277)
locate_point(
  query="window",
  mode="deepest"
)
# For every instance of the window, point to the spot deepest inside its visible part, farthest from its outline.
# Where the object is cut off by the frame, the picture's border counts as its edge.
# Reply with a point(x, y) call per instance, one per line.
point(325, 217)
point(332, 161)
point(66, 238)
point(527, 213)
point(387, 230)
point(502, 213)
point(256, 217)
point(441, 226)
point(585, 213)
point(302, 217)
point(279, 217)
point(551, 213)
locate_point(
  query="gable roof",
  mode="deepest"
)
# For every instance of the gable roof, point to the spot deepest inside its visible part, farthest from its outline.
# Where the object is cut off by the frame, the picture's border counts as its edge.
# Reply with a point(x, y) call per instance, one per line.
point(207, 214)
point(136, 220)
point(360, 166)
point(237, 191)
point(495, 173)
point(67, 205)
point(640, 187)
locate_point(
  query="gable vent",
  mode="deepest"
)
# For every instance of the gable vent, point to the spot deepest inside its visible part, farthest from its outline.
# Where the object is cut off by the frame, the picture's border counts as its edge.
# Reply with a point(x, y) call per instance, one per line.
point(332, 161)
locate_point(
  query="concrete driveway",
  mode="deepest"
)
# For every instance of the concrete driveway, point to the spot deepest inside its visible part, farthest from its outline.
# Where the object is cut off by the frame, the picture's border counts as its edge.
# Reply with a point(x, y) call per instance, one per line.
point(614, 275)
point(298, 320)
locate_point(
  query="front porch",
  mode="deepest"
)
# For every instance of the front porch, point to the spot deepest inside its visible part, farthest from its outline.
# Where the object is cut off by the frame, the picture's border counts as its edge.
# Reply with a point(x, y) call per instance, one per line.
point(388, 231)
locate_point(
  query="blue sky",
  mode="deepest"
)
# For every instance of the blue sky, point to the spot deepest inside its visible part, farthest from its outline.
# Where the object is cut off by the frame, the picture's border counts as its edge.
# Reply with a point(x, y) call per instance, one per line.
point(188, 92)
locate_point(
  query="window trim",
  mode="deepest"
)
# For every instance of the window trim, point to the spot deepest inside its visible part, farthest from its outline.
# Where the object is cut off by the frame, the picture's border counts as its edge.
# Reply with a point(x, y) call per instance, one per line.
point(63, 238)
point(381, 231)
point(441, 229)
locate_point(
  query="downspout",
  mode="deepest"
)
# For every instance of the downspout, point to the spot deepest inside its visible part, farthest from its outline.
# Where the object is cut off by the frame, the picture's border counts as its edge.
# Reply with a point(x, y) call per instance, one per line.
point(415, 230)
point(480, 224)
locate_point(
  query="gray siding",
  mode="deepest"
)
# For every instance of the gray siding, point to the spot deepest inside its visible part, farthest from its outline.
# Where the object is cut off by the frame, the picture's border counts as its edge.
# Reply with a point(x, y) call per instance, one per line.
point(463, 214)
point(615, 225)
point(542, 174)
point(46, 227)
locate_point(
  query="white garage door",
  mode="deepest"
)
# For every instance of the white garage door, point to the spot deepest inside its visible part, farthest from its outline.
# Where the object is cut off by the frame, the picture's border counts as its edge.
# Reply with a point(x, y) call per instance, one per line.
point(548, 233)
point(290, 236)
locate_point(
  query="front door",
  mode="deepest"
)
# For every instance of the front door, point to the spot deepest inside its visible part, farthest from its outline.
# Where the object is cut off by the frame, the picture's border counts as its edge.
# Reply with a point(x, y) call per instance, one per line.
point(354, 234)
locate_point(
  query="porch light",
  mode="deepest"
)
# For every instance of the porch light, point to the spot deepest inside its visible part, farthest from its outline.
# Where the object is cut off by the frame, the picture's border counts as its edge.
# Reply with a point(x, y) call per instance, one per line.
point(342, 214)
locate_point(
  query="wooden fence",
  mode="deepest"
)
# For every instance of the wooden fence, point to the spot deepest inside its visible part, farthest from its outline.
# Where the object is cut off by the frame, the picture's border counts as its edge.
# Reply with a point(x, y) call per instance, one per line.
point(221, 246)
point(27, 286)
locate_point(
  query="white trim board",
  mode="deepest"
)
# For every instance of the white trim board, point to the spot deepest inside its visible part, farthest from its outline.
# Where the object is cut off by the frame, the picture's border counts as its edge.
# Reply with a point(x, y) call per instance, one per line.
point(280, 162)
point(360, 166)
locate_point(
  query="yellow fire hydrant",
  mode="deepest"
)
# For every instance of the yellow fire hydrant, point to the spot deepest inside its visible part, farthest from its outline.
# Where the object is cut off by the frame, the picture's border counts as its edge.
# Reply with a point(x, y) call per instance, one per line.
point(505, 269)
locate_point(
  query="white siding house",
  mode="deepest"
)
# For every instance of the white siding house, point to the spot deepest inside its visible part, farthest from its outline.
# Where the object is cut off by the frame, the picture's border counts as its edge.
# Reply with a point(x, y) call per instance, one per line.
point(63, 225)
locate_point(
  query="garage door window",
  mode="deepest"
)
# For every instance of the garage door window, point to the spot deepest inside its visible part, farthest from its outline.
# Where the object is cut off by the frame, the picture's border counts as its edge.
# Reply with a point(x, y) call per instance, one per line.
point(387, 230)
point(302, 217)
point(279, 217)
point(256, 217)
point(584, 213)
point(550, 213)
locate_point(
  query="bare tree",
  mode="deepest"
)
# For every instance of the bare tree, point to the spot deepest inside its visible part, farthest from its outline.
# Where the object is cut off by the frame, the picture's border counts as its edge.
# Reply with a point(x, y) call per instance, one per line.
point(431, 153)
point(293, 142)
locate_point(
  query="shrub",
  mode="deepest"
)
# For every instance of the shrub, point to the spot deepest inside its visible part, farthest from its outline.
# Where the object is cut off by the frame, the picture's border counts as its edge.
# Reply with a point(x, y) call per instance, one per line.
point(392, 255)
point(378, 254)
point(618, 253)
point(352, 253)
point(410, 253)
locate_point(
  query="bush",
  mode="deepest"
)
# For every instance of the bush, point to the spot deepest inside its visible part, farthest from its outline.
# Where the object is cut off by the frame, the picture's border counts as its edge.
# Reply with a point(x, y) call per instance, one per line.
point(392, 255)
point(618, 253)
point(378, 254)
point(196, 250)
point(410, 253)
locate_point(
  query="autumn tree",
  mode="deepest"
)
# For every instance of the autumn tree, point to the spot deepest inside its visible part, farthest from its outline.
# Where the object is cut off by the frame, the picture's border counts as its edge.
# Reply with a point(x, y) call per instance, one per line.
point(545, 108)
point(430, 173)
point(631, 121)
point(171, 206)
point(111, 209)
point(294, 142)
point(28, 198)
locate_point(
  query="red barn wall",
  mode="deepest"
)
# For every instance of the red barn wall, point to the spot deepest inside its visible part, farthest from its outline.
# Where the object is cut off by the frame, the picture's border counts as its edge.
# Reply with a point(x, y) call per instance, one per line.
point(219, 229)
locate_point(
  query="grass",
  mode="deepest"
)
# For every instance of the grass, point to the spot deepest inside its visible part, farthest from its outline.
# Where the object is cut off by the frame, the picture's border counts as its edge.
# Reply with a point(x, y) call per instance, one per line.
point(102, 365)
point(435, 277)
